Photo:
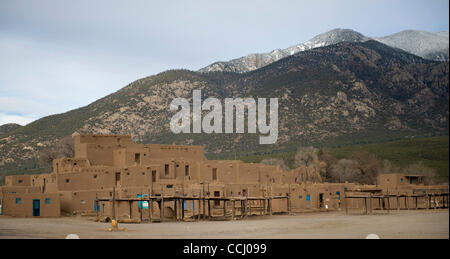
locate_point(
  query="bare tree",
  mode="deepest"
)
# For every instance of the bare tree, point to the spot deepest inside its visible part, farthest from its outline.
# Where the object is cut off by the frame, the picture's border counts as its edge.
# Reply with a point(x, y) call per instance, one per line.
point(306, 156)
point(344, 170)
point(329, 161)
point(274, 161)
point(387, 167)
point(369, 165)
point(63, 148)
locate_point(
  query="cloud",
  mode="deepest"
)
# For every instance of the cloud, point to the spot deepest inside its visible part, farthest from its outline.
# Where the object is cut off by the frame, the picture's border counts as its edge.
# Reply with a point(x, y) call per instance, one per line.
point(43, 78)
point(19, 119)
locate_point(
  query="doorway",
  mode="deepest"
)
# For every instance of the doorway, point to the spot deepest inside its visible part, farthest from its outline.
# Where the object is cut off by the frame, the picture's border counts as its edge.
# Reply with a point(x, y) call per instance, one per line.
point(339, 198)
point(320, 200)
point(36, 208)
point(117, 179)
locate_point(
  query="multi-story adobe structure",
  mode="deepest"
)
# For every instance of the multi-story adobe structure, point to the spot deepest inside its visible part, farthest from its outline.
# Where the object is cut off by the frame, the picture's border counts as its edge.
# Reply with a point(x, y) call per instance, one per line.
point(106, 166)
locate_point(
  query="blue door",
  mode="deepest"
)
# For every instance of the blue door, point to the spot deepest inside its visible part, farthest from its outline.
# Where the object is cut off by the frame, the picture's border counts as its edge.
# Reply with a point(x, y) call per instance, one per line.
point(339, 198)
point(96, 206)
point(36, 208)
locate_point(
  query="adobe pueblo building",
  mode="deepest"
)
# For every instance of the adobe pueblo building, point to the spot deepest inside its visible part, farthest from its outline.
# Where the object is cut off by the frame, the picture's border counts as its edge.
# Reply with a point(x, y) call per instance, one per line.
point(113, 178)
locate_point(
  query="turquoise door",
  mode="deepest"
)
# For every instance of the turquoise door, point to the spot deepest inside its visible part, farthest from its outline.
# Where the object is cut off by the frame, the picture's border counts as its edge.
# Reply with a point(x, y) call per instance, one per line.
point(36, 208)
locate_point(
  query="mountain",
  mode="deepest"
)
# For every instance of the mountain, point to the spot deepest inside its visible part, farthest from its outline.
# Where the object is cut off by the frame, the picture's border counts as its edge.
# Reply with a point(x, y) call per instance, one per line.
point(5, 128)
point(433, 46)
point(429, 45)
point(345, 93)
point(255, 61)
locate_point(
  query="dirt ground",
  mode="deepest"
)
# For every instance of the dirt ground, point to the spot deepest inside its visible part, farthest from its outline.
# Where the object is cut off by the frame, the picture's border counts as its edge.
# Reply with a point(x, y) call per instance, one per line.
point(336, 225)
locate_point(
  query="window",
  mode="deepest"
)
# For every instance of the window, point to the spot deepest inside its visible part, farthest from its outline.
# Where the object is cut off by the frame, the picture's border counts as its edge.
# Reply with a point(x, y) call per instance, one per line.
point(18, 200)
point(82, 202)
point(169, 186)
point(402, 180)
point(214, 174)
point(166, 170)
point(67, 180)
point(95, 176)
point(186, 170)
point(153, 176)
point(19, 181)
point(137, 158)
point(48, 201)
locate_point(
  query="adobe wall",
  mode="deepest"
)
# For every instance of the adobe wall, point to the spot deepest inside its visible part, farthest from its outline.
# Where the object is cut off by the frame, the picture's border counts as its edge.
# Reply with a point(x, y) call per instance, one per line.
point(103, 162)
point(20, 189)
point(21, 204)
point(18, 180)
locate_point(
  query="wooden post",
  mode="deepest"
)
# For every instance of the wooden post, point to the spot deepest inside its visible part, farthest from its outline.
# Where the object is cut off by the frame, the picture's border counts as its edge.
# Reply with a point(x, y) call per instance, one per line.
point(204, 207)
point(224, 208)
point(264, 206)
point(199, 210)
point(150, 210)
point(398, 202)
point(346, 205)
point(289, 199)
point(270, 206)
point(175, 204)
point(406, 202)
point(161, 212)
point(209, 208)
point(434, 201)
point(365, 205)
point(182, 209)
point(388, 205)
point(246, 207)
point(232, 208)
point(150, 206)
point(113, 213)
point(131, 208)
point(140, 210)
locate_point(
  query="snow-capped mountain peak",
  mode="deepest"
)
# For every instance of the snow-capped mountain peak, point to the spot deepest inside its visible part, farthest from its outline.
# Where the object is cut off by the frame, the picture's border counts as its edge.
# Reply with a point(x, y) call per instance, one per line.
point(427, 45)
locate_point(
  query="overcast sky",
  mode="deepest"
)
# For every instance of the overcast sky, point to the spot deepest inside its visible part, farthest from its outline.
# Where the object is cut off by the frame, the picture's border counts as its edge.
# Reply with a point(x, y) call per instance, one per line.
point(59, 55)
